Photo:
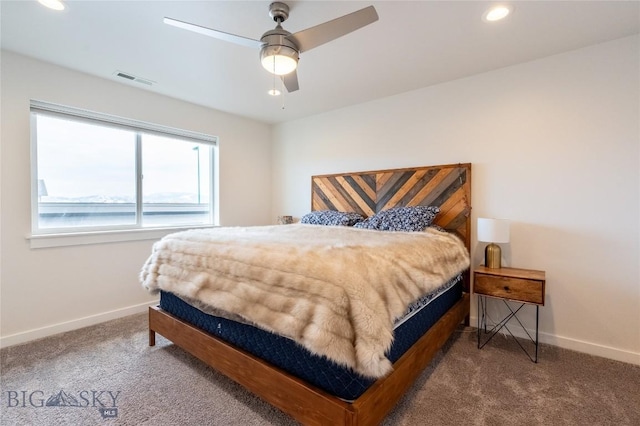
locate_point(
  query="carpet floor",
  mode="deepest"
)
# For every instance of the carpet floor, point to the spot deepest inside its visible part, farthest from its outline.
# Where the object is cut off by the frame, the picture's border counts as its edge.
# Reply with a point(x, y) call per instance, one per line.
point(108, 375)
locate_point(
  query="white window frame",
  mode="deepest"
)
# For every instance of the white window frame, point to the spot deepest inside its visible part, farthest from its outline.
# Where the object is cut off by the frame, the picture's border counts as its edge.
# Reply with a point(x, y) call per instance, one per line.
point(54, 237)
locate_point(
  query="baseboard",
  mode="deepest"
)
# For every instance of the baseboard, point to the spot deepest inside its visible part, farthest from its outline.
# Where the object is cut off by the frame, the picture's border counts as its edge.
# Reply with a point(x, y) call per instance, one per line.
point(38, 333)
point(576, 345)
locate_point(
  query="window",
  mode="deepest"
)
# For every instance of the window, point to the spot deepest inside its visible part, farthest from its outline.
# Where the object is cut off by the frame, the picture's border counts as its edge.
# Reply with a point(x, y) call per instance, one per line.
point(96, 172)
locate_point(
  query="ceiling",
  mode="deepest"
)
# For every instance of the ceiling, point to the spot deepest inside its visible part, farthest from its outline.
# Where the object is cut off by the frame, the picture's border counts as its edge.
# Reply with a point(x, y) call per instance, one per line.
point(414, 44)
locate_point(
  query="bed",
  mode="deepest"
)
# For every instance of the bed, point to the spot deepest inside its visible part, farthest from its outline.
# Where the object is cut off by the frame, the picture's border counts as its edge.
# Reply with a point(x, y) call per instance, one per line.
point(301, 396)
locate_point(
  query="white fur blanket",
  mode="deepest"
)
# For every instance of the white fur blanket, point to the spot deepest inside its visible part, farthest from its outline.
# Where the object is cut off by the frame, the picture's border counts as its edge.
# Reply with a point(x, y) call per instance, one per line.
point(334, 290)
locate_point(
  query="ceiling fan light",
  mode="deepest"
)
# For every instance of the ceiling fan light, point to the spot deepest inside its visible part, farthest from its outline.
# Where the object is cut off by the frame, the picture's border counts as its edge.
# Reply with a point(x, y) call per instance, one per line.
point(279, 60)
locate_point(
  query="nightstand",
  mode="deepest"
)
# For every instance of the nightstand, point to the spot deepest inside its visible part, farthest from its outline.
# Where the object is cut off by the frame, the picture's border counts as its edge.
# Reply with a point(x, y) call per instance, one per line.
point(524, 286)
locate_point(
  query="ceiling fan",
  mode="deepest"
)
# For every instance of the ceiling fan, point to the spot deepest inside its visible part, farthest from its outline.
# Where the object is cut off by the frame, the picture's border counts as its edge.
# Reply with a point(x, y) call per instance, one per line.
point(279, 49)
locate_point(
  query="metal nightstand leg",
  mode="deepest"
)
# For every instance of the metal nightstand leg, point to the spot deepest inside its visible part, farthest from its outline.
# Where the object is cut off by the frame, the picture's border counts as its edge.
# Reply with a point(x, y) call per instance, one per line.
point(536, 342)
point(482, 323)
point(482, 319)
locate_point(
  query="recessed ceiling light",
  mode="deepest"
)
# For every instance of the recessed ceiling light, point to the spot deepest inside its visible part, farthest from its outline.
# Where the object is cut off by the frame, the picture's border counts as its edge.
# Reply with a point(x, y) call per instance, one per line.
point(52, 4)
point(274, 92)
point(497, 13)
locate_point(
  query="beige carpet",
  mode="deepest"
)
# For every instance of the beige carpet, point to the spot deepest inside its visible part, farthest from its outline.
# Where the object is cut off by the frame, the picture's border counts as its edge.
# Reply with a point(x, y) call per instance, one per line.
point(163, 385)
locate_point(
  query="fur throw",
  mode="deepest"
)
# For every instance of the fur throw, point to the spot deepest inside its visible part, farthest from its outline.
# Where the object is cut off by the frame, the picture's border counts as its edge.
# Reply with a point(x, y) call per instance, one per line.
point(335, 290)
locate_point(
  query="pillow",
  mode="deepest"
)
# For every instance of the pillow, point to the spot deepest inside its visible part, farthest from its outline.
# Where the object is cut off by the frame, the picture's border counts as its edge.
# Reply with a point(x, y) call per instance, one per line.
point(407, 219)
point(332, 218)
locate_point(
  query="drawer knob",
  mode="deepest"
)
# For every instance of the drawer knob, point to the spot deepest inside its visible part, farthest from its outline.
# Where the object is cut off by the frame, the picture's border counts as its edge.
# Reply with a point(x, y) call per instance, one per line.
point(506, 288)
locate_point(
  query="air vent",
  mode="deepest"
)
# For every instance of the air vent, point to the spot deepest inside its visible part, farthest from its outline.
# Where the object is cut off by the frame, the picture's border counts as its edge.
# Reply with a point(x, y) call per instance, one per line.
point(131, 77)
point(123, 75)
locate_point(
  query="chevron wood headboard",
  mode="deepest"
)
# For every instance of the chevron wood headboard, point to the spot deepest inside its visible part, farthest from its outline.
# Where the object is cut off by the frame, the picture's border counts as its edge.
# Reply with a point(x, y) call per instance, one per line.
point(446, 186)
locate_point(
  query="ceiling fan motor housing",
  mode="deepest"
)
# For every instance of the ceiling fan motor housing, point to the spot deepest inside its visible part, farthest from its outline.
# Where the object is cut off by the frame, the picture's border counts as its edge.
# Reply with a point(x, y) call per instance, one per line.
point(275, 43)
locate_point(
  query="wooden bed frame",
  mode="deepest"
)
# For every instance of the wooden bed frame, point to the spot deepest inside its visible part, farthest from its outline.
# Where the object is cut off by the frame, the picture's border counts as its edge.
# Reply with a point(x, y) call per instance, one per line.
point(447, 186)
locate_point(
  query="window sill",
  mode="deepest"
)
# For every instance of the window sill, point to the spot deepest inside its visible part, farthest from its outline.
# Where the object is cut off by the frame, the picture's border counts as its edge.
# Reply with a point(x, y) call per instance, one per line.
point(103, 237)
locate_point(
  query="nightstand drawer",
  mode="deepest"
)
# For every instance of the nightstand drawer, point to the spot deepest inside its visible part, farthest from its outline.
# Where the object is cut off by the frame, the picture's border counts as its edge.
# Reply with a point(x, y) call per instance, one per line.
point(530, 291)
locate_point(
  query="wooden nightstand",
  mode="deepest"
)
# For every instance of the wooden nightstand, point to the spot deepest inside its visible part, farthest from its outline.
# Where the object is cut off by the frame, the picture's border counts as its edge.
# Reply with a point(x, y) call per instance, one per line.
point(523, 286)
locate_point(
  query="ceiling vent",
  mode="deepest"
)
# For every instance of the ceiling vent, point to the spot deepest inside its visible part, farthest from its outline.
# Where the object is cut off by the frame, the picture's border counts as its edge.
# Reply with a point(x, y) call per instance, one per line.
point(132, 77)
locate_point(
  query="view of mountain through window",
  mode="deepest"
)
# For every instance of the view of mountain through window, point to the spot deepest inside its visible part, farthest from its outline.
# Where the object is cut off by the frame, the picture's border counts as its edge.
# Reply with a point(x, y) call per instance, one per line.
point(93, 175)
point(175, 173)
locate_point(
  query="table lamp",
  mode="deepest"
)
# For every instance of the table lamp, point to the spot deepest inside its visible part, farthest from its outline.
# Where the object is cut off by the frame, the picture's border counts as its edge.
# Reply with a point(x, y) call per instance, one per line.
point(493, 231)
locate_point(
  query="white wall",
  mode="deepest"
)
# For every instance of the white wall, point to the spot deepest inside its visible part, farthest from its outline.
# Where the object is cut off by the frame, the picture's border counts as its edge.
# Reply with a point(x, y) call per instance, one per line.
point(554, 145)
point(49, 290)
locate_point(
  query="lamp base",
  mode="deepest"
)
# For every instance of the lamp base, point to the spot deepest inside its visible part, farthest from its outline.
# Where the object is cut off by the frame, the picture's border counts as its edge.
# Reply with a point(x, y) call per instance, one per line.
point(493, 256)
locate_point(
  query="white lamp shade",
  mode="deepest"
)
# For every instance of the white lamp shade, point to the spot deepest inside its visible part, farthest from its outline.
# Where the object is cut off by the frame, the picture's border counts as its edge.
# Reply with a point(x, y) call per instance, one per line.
point(493, 230)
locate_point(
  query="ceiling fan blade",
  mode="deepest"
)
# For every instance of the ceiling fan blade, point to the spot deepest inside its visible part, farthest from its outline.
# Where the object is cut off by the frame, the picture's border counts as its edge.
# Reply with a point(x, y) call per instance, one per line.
point(221, 35)
point(290, 81)
point(331, 30)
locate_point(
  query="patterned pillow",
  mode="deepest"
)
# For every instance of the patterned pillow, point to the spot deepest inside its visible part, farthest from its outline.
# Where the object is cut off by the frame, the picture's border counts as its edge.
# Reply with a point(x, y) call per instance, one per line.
point(408, 219)
point(331, 218)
